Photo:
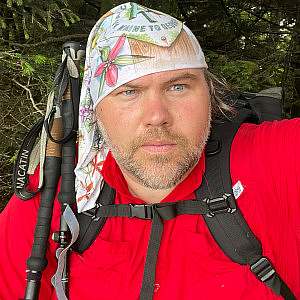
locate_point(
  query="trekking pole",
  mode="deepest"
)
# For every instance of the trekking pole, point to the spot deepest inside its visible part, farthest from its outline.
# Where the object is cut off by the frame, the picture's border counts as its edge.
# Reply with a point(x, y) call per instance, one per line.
point(66, 196)
point(37, 261)
point(61, 142)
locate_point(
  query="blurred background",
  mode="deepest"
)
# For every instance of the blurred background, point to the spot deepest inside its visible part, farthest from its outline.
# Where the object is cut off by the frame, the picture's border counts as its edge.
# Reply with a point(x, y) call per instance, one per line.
point(253, 44)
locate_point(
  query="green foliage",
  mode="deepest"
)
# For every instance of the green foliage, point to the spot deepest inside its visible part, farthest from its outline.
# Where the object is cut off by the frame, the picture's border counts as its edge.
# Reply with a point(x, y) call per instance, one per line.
point(27, 18)
point(247, 75)
point(40, 59)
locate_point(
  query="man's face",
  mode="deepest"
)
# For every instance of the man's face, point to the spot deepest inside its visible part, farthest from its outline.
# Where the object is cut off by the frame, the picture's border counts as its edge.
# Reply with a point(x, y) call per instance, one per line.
point(156, 126)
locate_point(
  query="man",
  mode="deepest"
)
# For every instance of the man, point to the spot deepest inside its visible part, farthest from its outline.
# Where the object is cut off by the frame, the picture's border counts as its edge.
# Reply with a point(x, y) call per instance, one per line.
point(146, 107)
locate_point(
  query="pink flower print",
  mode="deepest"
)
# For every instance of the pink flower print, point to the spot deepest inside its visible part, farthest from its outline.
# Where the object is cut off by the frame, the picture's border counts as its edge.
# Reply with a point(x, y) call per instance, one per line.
point(108, 69)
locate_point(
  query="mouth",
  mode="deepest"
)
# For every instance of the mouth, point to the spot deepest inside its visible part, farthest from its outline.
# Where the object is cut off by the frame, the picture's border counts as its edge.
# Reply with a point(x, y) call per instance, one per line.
point(158, 146)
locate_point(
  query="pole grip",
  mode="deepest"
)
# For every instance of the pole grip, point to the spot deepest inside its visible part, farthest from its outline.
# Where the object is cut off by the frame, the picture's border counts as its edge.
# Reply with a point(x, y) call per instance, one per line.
point(37, 261)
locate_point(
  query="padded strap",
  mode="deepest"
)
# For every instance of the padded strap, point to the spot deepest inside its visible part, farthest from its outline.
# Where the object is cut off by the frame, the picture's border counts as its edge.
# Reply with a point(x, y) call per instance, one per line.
point(229, 228)
point(90, 225)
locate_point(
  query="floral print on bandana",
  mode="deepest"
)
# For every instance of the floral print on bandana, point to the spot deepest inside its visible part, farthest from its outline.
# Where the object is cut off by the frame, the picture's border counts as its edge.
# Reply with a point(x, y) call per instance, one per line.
point(86, 114)
point(108, 69)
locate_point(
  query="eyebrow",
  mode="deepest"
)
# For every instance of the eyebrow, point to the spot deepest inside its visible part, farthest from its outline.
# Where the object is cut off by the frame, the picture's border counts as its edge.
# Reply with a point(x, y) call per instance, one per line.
point(187, 76)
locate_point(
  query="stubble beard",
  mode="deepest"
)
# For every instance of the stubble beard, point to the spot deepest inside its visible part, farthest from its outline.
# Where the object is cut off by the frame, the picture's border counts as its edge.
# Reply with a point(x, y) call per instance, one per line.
point(159, 171)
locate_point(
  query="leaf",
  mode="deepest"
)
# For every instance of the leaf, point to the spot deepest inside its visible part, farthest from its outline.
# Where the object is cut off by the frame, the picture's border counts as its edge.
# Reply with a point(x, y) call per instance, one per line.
point(49, 21)
point(9, 3)
point(26, 34)
point(66, 22)
point(2, 23)
point(27, 68)
point(133, 11)
point(94, 41)
point(102, 81)
point(125, 60)
point(104, 53)
point(40, 59)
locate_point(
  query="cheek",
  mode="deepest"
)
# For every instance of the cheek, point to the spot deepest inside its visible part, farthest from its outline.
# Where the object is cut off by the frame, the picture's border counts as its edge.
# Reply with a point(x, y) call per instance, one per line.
point(116, 124)
point(194, 117)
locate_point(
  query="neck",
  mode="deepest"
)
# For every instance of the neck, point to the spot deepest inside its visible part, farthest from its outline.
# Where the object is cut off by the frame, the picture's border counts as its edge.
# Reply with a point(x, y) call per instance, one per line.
point(145, 193)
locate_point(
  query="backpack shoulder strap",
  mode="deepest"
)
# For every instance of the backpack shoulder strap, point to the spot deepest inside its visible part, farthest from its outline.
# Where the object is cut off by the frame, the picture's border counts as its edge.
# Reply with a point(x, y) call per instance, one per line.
point(89, 223)
point(226, 222)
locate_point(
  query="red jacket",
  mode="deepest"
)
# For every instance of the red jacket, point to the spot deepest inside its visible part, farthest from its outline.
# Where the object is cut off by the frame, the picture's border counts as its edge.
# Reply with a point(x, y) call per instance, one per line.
point(264, 158)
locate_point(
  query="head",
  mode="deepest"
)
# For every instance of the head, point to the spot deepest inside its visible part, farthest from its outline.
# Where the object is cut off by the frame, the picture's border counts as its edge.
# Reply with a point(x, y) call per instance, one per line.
point(157, 125)
point(146, 97)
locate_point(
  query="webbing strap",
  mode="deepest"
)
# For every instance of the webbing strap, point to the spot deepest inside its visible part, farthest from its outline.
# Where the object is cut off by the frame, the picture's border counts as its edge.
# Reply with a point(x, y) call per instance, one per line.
point(151, 258)
point(20, 176)
point(166, 211)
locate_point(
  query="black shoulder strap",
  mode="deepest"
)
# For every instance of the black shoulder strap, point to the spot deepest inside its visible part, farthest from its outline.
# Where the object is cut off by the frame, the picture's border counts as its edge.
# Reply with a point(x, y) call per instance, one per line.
point(90, 224)
point(226, 223)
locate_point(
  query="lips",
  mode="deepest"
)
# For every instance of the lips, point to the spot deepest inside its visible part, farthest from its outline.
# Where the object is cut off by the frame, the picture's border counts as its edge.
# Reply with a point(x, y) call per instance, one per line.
point(158, 146)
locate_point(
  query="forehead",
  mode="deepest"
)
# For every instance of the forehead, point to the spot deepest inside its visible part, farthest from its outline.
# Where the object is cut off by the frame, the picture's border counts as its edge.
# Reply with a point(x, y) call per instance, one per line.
point(164, 77)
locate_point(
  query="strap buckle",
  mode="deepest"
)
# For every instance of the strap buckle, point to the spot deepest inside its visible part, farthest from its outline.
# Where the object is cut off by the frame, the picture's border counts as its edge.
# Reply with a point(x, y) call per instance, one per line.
point(263, 269)
point(224, 204)
point(92, 213)
point(141, 211)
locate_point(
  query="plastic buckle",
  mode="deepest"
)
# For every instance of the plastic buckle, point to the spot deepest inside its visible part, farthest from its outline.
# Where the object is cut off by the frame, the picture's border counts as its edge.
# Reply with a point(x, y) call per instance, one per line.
point(263, 269)
point(224, 204)
point(141, 211)
point(92, 212)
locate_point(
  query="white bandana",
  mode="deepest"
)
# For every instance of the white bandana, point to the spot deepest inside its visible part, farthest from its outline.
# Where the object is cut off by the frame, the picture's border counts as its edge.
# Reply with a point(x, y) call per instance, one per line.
point(113, 58)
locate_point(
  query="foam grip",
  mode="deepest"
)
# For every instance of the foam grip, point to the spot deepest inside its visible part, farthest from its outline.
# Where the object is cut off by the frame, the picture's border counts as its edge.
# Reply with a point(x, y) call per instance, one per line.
point(37, 260)
point(67, 189)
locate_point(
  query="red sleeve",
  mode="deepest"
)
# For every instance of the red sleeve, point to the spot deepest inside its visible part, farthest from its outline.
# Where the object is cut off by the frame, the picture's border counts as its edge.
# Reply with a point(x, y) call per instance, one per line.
point(17, 223)
point(266, 159)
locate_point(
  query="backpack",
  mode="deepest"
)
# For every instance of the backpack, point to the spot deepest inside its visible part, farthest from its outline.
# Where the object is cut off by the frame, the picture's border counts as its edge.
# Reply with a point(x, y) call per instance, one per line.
point(214, 198)
point(214, 201)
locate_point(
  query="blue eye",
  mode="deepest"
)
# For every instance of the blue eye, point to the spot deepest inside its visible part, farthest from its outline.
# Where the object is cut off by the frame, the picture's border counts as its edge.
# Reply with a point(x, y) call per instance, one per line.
point(129, 92)
point(177, 87)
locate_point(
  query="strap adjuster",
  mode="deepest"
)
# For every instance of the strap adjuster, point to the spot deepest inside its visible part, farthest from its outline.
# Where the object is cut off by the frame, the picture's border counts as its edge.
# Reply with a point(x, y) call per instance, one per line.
point(224, 204)
point(141, 211)
point(92, 213)
point(263, 269)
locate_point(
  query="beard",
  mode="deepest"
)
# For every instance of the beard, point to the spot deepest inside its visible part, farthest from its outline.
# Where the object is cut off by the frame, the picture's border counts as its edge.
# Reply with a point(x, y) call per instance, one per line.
point(159, 171)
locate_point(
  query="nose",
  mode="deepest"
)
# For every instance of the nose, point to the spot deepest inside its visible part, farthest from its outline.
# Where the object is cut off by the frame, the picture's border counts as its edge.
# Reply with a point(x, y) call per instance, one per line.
point(156, 110)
